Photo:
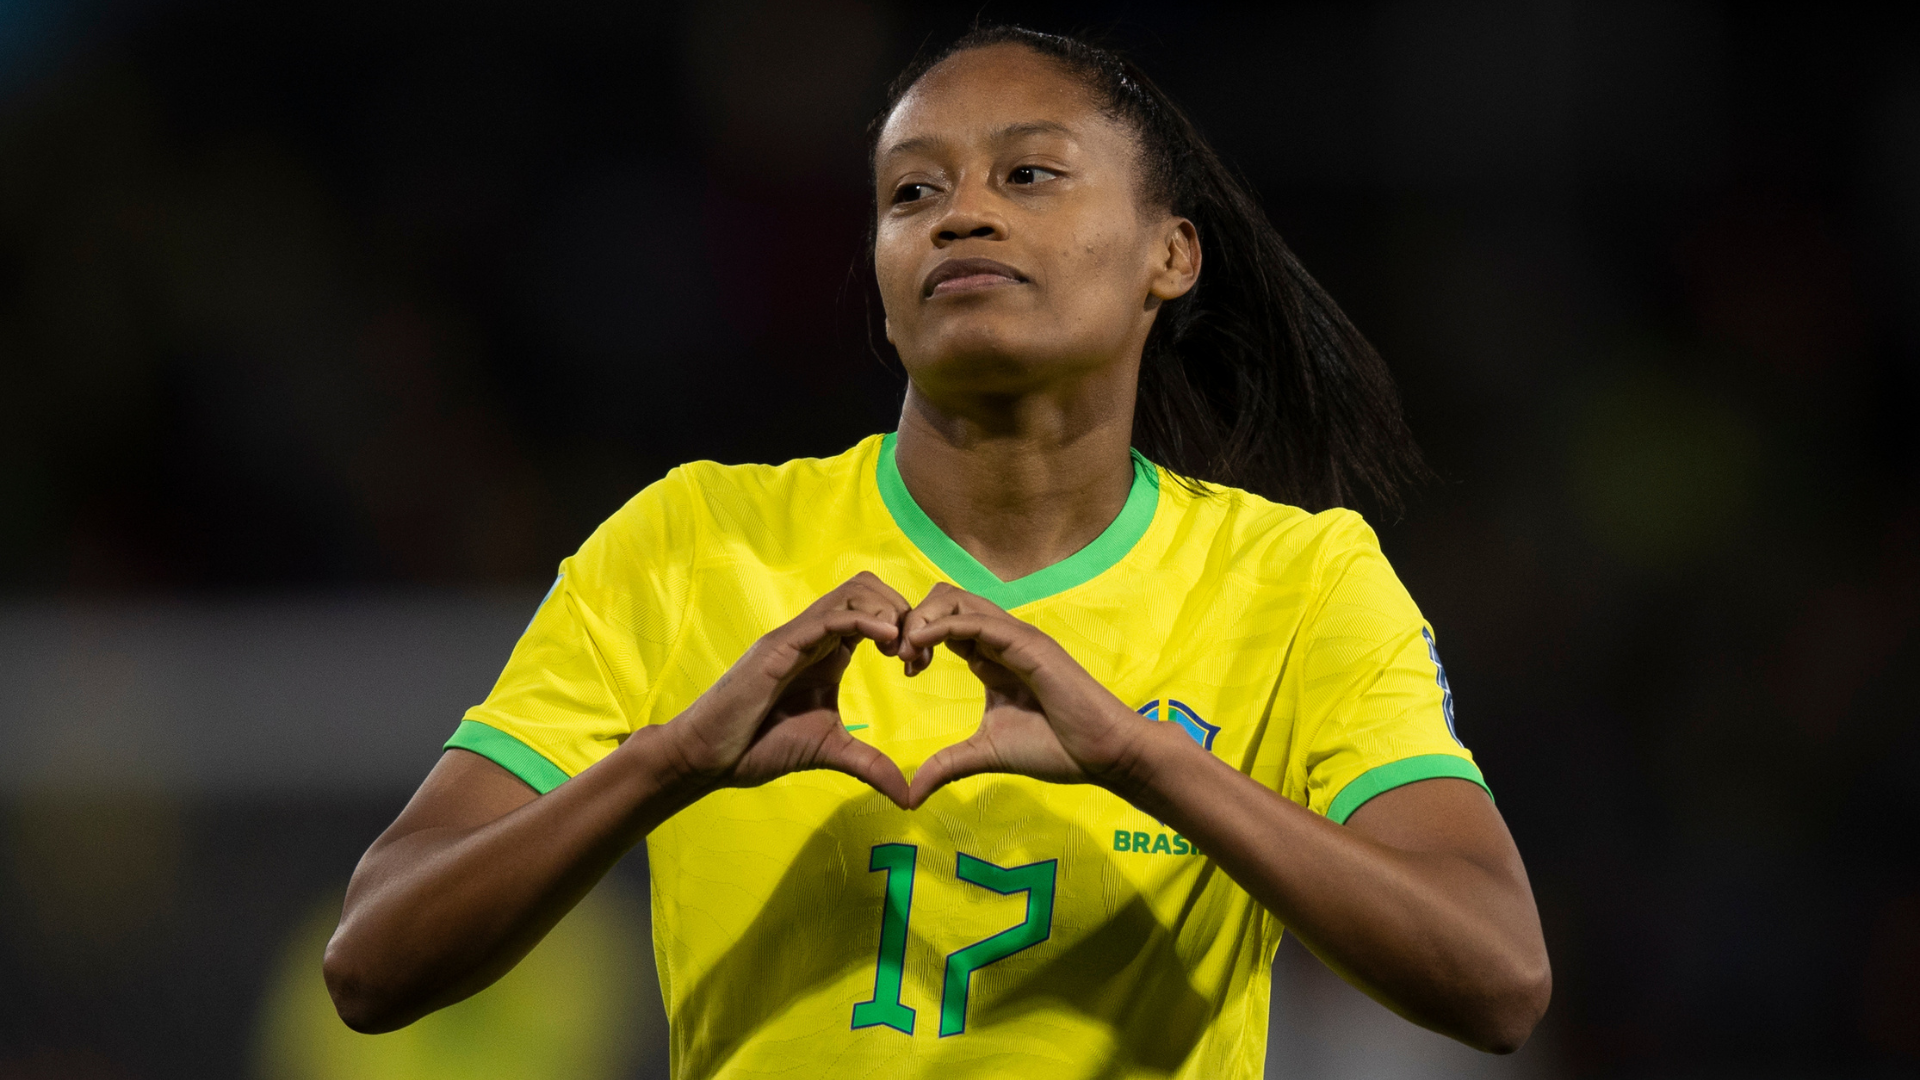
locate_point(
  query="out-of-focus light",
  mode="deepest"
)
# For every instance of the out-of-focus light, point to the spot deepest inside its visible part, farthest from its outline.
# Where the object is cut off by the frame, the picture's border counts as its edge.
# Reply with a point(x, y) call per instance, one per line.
point(584, 1005)
point(101, 873)
point(1662, 472)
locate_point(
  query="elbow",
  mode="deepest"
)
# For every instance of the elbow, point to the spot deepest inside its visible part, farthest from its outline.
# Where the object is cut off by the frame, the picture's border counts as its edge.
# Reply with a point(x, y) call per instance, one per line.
point(1514, 1007)
point(357, 994)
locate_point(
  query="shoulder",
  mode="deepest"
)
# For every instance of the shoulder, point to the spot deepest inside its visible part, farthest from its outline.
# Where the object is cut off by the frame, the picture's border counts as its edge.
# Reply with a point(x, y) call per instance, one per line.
point(1269, 540)
point(706, 499)
point(715, 482)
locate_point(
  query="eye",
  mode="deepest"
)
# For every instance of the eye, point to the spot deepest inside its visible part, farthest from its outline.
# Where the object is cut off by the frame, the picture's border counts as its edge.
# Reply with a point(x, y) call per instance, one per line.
point(907, 193)
point(1030, 174)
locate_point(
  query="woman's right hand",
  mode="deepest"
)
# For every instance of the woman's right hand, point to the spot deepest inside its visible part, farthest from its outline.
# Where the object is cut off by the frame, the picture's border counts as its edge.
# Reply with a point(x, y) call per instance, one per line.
point(777, 710)
point(478, 866)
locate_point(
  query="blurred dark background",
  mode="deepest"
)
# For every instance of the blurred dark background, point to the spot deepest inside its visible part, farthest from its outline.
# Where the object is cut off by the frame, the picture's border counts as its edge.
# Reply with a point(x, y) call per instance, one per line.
point(327, 330)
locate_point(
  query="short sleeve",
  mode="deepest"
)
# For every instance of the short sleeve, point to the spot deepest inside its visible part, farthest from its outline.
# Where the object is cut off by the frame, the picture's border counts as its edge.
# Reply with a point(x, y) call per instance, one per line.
point(581, 678)
point(1374, 709)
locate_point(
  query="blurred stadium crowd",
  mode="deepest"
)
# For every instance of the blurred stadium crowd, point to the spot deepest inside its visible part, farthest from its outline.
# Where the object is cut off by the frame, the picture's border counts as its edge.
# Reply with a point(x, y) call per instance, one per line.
point(328, 329)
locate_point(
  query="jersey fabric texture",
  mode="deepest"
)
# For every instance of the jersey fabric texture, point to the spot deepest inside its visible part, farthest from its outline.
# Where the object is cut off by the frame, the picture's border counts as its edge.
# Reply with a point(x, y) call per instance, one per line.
point(1009, 927)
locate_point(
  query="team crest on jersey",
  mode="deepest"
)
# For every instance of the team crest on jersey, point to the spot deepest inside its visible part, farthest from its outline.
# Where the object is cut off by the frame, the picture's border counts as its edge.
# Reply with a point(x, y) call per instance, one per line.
point(1178, 712)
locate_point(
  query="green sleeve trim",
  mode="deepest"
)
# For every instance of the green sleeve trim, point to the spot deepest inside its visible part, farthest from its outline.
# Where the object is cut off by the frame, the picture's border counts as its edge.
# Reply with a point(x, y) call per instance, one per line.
point(509, 753)
point(1384, 778)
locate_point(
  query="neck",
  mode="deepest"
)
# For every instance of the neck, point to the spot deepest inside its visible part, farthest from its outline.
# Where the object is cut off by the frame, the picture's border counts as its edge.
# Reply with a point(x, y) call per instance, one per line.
point(1020, 481)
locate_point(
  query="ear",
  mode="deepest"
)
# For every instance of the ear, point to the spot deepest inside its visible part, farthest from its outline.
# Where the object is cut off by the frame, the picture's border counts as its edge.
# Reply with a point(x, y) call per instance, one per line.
point(1180, 268)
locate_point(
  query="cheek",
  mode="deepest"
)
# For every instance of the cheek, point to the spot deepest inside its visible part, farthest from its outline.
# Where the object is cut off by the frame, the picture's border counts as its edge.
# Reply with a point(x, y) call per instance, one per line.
point(1098, 270)
point(892, 265)
point(897, 254)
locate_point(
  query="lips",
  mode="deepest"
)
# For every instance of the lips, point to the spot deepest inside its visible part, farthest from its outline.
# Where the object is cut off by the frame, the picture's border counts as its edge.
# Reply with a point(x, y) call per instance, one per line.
point(968, 275)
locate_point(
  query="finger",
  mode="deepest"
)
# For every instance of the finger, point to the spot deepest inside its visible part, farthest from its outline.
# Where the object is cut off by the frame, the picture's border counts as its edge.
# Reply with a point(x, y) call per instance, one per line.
point(848, 623)
point(997, 632)
point(942, 601)
point(962, 759)
point(867, 583)
point(915, 659)
point(862, 592)
point(864, 762)
point(866, 592)
point(807, 640)
point(947, 595)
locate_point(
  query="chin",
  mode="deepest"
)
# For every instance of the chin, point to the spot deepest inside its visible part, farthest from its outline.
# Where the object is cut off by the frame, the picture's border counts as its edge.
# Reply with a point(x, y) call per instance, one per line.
point(980, 360)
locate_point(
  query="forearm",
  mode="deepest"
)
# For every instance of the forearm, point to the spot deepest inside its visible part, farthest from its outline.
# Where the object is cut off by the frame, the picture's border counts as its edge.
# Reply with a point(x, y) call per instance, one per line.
point(436, 913)
point(1448, 941)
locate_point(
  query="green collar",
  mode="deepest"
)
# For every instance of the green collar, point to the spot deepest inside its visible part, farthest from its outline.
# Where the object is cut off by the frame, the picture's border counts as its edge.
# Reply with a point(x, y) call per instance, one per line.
point(1084, 565)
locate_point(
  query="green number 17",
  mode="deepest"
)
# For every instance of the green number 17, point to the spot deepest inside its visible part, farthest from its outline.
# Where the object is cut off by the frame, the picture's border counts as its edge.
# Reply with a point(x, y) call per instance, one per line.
point(1034, 879)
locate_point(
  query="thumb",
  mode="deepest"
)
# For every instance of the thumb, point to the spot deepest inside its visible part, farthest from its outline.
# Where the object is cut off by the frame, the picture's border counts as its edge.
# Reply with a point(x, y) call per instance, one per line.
point(955, 762)
point(864, 762)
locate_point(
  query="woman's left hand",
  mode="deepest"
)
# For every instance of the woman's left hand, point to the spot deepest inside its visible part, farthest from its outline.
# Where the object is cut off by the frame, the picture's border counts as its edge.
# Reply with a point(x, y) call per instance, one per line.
point(1045, 716)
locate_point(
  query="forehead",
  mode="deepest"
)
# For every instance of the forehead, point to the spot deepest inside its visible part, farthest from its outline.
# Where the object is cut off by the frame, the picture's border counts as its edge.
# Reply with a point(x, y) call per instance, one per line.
point(972, 94)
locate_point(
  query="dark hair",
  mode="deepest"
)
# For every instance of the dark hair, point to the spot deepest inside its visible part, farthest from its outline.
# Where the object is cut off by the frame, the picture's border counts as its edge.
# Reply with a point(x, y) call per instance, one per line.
point(1254, 378)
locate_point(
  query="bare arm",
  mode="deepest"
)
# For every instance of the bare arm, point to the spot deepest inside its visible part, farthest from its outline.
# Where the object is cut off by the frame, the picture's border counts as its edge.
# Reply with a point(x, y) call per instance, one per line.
point(1420, 900)
point(478, 867)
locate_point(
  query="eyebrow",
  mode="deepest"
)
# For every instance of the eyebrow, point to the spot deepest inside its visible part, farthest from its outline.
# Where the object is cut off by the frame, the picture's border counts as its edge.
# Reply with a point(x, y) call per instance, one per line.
point(922, 143)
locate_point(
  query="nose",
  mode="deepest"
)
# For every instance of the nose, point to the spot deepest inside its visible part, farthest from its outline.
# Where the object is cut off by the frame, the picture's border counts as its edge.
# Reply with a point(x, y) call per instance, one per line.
point(970, 214)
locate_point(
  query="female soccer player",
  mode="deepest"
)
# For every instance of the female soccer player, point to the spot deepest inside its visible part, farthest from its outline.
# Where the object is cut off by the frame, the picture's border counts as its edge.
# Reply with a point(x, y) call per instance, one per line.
point(1150, 717)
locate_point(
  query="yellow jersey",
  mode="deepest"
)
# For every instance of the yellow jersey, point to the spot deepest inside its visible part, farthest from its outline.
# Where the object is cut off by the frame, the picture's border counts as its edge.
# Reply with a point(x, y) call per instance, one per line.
point(1009, 927)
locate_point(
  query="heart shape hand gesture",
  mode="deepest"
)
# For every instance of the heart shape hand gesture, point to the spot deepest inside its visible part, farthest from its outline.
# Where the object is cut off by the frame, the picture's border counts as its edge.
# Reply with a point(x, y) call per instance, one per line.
point(776, 711)
point(1045, 716)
